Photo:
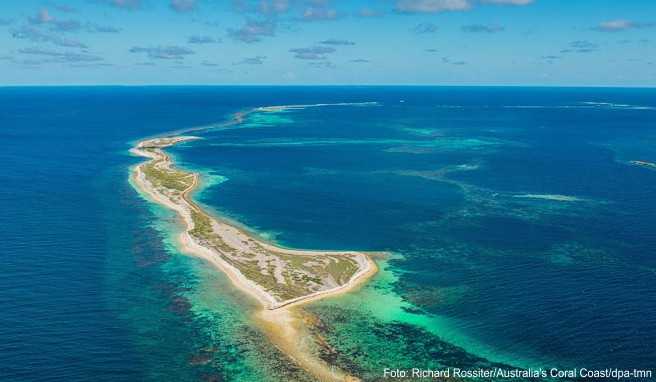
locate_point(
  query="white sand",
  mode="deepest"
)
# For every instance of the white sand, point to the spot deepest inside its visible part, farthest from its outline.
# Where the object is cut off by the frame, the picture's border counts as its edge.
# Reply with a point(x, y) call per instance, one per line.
point(281, 320)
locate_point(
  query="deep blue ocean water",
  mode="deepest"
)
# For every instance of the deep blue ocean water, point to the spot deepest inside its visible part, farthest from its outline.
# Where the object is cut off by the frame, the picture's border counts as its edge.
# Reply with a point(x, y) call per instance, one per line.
point(464, 185)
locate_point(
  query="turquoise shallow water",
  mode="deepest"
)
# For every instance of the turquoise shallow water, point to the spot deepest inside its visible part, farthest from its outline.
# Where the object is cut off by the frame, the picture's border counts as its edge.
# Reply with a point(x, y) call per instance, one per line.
point(464, 186)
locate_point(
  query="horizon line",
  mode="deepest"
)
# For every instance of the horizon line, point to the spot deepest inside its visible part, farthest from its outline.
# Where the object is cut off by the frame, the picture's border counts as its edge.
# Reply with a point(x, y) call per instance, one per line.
point(334, 85)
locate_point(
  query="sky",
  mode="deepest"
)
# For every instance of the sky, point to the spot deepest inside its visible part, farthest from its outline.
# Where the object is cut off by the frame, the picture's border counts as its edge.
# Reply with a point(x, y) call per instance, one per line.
point(301, 42)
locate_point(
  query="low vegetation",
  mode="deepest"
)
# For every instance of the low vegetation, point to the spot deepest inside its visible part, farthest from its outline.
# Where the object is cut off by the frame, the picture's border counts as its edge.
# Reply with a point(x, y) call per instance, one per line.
point(283, 275)
point(167, 178)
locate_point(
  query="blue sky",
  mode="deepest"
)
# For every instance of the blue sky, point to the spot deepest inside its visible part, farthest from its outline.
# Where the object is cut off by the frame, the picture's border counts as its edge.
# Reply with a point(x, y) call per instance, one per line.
point(443, 42)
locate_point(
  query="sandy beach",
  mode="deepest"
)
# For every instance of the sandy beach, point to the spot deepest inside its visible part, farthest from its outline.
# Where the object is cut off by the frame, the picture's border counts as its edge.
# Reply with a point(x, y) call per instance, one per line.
point(281, 320)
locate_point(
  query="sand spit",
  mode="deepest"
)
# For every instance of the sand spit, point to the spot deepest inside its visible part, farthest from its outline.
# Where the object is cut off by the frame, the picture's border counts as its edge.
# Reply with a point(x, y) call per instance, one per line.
point(644, 163)
point(280, 279)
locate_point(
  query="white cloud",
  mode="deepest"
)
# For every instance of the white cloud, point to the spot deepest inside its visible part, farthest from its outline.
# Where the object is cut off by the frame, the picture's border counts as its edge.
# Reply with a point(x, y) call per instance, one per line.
point(431, 6)
point(621, 25)
point(58, 57)
point(319, 14)
point(202, 39)
point(257, 60)
point(273, 6)
point(312, 53)
point(183, 5)
point(334, 41)
point(508, 2)
point(171, 52)
point(425, 28)
point(34, 35)
point(482, 28)
point(434, 6)
point(253, 31)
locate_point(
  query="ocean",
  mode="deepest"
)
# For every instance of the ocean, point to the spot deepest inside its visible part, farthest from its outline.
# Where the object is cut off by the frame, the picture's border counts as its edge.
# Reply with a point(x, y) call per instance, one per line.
point(518, 230)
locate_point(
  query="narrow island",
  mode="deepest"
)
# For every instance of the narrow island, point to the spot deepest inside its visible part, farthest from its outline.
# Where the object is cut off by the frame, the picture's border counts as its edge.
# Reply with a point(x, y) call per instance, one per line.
point(644, 163)
point(280, 279)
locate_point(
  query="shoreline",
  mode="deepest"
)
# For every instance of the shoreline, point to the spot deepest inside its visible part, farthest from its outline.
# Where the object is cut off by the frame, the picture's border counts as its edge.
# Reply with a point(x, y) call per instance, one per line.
point(281, 319)
point(238, 279)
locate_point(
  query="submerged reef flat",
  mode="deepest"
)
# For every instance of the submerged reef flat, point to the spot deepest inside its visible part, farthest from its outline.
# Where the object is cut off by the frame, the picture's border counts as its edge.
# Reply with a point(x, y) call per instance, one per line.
point(554, 197)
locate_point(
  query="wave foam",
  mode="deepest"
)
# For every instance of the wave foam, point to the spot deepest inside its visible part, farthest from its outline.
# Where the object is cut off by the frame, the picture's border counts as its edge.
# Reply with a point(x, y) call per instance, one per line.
point(279, 108)
point(554, 197)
